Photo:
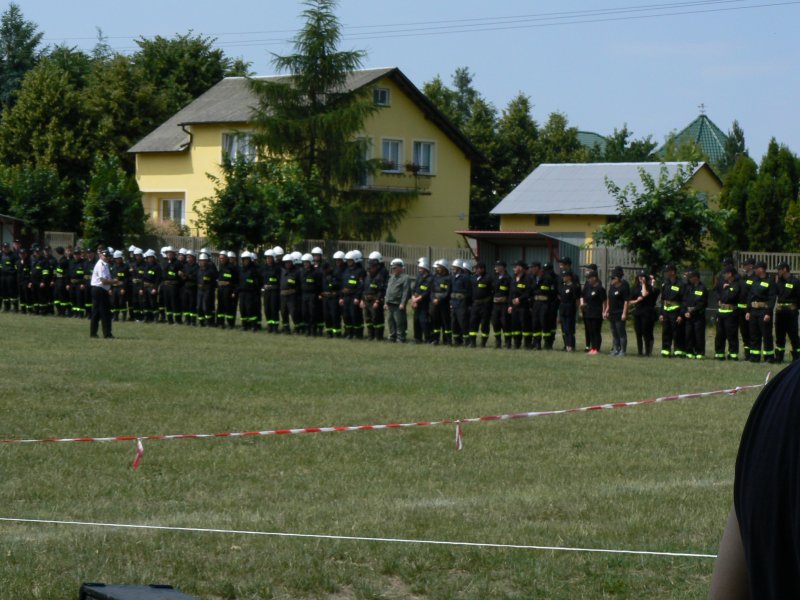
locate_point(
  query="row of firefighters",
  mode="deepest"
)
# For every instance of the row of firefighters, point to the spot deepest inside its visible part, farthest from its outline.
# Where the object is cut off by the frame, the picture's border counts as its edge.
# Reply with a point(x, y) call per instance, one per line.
point(460, 303)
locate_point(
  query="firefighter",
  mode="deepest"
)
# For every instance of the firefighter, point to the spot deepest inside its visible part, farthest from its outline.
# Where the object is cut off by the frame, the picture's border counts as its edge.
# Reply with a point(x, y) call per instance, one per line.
point(171, 286)
point(60, 281)
point(747, 278)
point(480, 313)
point(189, 288)
point(352, 293)
point(460, 302)
point(227, 282)
point(440, 303)
point(501, 286)
point(289, 291)
point(695, 302)
point(421, 301)
point(760, 307)
point(310, 291)
point(331, 286)
point(786, 304)
point(119, 291)
point(672, 294)
point(271, 280)
point(374, 295)
point(519, 302)
point(728, 295)
point(249, 293)
point(8, 278)
point(151, 281)
point(137, 299)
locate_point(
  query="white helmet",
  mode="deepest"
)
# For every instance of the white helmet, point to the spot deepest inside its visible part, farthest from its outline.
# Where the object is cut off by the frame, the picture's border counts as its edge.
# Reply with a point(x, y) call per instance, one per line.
point(398, 262)
point(357, 256)
point(458, 263)
point(167, 249)
point(316, 250)
point(307, 258)
point(247, 254)
point(182, 251)
point(149, 253)
point(375, 255)
point(190, 252)
point(269, 252)
point(231, 254)
point(424, 263)
point(338, 255)
point(110, 249)
point(137, 251)
point(131, 248)
point(205, 251)
point(203, 256)
point(349, 255)
point(278, 251)
point(442, 262)
point(118, 254)
point(288, 258)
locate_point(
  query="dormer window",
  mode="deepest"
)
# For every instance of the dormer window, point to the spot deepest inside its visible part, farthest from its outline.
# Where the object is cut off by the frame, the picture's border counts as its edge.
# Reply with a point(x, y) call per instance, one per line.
point(380, 96)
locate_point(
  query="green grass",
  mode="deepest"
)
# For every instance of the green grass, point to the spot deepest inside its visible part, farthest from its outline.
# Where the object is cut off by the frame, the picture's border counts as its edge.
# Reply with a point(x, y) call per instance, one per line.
point(653, 477)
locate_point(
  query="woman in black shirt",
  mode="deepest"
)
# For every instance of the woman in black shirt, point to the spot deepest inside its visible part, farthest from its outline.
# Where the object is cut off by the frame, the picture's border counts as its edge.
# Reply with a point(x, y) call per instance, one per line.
point(643, 300)
point(592, 304)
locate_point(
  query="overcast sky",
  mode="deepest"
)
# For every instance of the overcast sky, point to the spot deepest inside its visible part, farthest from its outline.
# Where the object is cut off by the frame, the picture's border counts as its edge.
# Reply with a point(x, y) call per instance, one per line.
point(603, 63)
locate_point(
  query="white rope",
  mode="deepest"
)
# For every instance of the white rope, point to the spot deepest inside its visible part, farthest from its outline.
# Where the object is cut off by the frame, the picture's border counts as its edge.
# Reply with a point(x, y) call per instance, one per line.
point(359, 538)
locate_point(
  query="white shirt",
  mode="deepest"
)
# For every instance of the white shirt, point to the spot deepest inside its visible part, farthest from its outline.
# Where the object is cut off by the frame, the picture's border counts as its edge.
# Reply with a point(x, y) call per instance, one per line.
point(100, 272)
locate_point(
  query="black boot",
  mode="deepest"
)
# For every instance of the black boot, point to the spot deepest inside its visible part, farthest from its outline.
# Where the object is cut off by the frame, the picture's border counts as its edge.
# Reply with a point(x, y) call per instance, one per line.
point(498, 342)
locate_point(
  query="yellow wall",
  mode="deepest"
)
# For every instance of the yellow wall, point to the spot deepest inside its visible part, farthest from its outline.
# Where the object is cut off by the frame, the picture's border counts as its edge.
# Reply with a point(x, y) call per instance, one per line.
point(702, 181)
point(432, 217)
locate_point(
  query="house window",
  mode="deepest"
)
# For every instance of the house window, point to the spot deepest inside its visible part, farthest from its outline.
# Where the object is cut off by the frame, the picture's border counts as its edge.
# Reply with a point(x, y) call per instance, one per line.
point(238, 145)
point(380, 96)
point(365, 178)
point(423, 157)
point(172, 210)
point(392, 155)
point(542, 220)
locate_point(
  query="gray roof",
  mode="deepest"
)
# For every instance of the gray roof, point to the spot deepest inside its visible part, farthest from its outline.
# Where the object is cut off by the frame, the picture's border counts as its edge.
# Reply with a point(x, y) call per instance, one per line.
point(577, 189)
point(232, 100)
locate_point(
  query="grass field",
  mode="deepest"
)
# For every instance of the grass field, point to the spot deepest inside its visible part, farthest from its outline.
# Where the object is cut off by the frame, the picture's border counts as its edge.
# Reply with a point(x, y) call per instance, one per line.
point(654, 477)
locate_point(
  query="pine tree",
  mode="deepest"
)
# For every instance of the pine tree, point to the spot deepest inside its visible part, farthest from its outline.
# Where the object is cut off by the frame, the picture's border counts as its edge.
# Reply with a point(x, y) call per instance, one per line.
point(734, 148)
point(315, 119)
point(734, 197)
point(19, 53)
point(517, 137)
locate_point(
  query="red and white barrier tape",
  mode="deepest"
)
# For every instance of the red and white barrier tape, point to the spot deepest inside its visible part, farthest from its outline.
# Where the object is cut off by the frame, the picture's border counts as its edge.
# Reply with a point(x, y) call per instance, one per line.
point(336, 429)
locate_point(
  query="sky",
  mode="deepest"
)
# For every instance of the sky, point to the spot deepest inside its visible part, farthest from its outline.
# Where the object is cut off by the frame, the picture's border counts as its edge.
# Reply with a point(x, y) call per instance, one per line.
point(604, 63)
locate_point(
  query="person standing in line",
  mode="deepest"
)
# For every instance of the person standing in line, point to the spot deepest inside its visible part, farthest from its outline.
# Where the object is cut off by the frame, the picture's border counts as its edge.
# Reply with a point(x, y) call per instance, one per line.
point(695, 302)
point(569, 294)
point(592, 302)
point(101, 305)
point(747, 282)
point(616, 311)
point(760, 308)
point(421, 302)
point(672, 293)
point(643, 300)
point(398, 292)
point(786, 312)
point(728, 292)
point(480, 313)
point(501, 285)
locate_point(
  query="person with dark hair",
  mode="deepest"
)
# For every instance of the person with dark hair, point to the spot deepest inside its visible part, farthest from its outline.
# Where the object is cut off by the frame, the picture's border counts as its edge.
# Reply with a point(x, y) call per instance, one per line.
point(744, 326)
point(592, 302)
point(643, 300)
point(616, 311)
point(759, 553)
point(694, 307)
point(569, 294)
point(672, 293)
point(760, 308)
point(519, 302)
point(728, 292)
point(501, 285)
point(480, 313)
point(101, 283)
point(786, 312)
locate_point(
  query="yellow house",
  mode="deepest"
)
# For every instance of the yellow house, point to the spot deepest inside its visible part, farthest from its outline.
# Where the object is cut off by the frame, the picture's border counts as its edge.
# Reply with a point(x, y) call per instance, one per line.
point(570, 202)
point(421, 150)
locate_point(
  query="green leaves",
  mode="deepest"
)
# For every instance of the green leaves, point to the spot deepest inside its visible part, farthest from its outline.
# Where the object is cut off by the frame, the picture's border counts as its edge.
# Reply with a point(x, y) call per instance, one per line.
point(663, 221)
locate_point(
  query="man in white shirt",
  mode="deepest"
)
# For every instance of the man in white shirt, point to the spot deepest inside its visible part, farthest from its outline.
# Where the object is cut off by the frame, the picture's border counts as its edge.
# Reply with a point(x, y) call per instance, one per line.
point(101, 304)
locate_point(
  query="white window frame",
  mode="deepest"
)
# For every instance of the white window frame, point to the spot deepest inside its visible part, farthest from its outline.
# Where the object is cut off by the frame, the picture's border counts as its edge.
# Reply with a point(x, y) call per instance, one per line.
point(399, 165)
point(381, 96)
point(168, 212)
point(232, 146)
point(415, 144)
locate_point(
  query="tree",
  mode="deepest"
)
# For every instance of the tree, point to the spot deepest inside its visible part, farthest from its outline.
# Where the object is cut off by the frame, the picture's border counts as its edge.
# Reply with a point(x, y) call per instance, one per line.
point(35, 197)
point(558, 142)
point(481, 131)
point(259, 202)
point(734, 197)
point(113, 208)
point(769, 198)
point(316, 120)
point(621, 148)
point(517, 138)
point(182, 67)
point(734, 148)
point(688, 151)
point(664, 221)
point(19, 43)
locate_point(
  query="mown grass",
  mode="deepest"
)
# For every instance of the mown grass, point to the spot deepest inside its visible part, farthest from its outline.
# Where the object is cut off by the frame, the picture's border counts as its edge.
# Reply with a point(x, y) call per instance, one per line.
point(651, 478)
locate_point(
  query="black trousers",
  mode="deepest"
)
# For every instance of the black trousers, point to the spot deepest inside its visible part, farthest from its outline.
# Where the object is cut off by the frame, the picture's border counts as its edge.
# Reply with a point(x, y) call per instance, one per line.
point(519, 323)
point(226, 306)
point(672, 335)
point(500, 318)
point(594, 331)
point(440, 321)
point(374, 318)
point(459, 314)
point(308, 311)
point(272, 308)
point(8, 288)
point(250, 309)
point(785, 325)
point(172, 301)
point(695, 336)
point(539, 323)
point(480, 318)
point(644, 322)
point(422, 323)
point(332, 315)
point(205, 305)
point(760, 330)
point(727, 331)
point(568, 329)
point(101, 312)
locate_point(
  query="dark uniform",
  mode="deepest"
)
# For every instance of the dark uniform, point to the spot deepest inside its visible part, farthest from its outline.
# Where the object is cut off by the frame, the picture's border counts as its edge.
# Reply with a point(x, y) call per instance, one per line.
point(290, 297)
point(78, 287)
point(695, 302)
point(744, 325)
point(9, 293)
point(569, 295)
point(227, 282)
point(519, 306)
point(421, 302)
point(440, 307)
point(728, 315)
point(351, 296)
point(501, 286)
point(271, 280)
point(189, 290)
point(549, 287)
point(760, 307)
point(121, 291)
point(41, 281)
point(672, 338)
point(786, 304)
point(171, 289)
point(374, 295)
point(480, 314)
point(460, 300)
point(594, 298)
point(24, 282)
point(151, 281)
point(250, 295)
point(310, 290)
point(137, 300)
point(643, 302)
point(61, 300)
point(331, 313)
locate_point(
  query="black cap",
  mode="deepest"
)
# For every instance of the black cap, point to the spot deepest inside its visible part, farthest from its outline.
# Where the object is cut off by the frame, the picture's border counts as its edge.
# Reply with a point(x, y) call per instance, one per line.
point(784, 265)
point(521, 263)
point(617, 272)
point(748, 261)
point(761, 265)
point(500, 263)
point(590, 267)
point(727, 261)
point(670, 267)
point(547, 266)
point(591, 273)
point(641, 274)
point(480, 265)
point(565, 260)
point(729, 269)
point(694, 273)
point(59, 249)
point(568, 273)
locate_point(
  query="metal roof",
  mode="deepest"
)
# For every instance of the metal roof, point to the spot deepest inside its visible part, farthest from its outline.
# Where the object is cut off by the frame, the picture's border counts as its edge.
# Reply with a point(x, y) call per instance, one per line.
point(233, 100)
point(708, 137)
point(591, 140)
point(578, 189)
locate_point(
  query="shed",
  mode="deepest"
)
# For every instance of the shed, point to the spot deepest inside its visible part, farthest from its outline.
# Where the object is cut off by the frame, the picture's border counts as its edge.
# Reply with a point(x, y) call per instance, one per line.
point(511, 246)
